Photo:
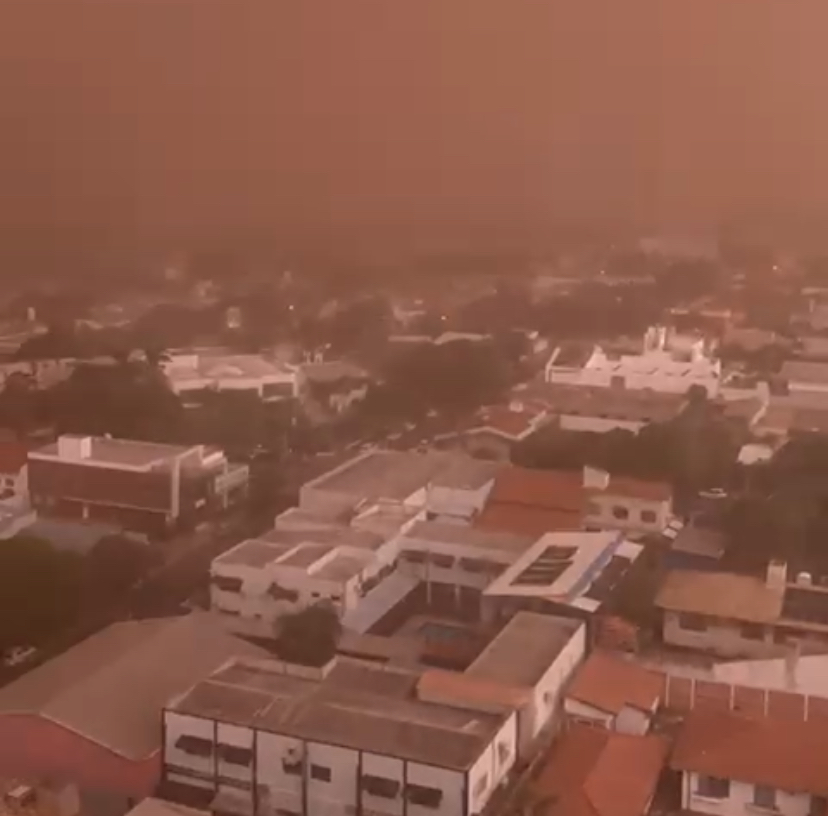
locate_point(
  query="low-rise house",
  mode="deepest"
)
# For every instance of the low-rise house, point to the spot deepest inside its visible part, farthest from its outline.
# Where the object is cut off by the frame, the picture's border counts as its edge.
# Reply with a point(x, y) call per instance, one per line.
point(592, 772)
point(495, 430)
point(742, 615)
point(191, 376)
point(349, 737)
point(336, 385)
point(142, 486)
point(735, 765)
point(612, 693)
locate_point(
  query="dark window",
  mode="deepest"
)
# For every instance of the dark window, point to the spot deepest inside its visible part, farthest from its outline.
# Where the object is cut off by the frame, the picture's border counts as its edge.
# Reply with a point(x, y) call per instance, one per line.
point(620, 512)
point(194, 745)
point(480, 565)
point(380, 786)
point(282, 389)
point(320, 772)
point(753, 631)
point(414, 556)
point(649, 516)
point(293, 767)
point(225, 583)
point(423, 795)
point(713, 787)
point(286, 812)
point(445, 561)
point(280, 593)
point(235, 755)
point(692, 623)
point(764, 797)
point(819, 806)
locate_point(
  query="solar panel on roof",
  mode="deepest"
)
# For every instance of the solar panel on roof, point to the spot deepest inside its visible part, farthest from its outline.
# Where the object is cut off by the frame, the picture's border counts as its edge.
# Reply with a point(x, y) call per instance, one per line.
point(547, 567)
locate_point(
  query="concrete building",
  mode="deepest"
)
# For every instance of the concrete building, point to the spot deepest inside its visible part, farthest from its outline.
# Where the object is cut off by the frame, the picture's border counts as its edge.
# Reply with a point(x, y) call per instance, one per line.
point(806, 378)
point(667, 363)
point(744, 616)
point(732, 765)
point(615, 694)
point(267, 737)
point(142, 486)
point(91, 716)
point(191, 375)
point(570, 574)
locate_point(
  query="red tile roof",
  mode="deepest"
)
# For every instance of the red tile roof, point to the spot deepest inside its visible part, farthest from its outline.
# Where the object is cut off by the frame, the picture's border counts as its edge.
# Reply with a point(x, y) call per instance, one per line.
point(526, 521)
point(13, 455)
point(610, 684)
point(783, 754)
point(550, 489)
point(592, 772)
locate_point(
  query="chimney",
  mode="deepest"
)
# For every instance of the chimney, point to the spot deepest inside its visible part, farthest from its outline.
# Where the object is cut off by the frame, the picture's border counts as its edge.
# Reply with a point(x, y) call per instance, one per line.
point(595, 478)
point(777, 575)
point(71, 446)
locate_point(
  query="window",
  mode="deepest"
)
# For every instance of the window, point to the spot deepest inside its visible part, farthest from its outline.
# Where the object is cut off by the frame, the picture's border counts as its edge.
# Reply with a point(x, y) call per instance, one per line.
point(423, 795)
point(481, 786)
point(819, 806)
point(280, 593)
point(764, 797)
point(292, 767)
point(320, 772)
point(413, 556)
point(445, 561)
point(380, 786)
point(621, 513)
point(692, 623)
point(752, 631)
point(235, 755)
point(649, 516)
point(504, 753)
point(225, 583)
point(594, 509)
point(194, 745)
point(712, 787)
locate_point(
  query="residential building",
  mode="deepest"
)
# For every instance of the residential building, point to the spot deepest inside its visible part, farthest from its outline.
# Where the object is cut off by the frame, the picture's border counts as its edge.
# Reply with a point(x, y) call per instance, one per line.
point(667, 362)
point(192, 375)
point(267, 737)
point(592, 772)
point(495, 430)
point(744, 616)
point(734, 765)
point(90, 716)
point(143, 486)
point(613, 693)
point(571, 574)
point(336, 385)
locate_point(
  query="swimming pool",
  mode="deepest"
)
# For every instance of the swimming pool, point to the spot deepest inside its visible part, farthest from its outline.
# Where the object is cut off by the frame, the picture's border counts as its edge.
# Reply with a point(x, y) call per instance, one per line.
point(445, 632)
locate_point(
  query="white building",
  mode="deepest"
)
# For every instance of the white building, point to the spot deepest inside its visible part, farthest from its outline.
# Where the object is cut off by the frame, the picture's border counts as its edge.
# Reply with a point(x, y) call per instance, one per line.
point(271, 738)
point(190, 375)
point(735, 766)
point(667, 362)
point(805, 378)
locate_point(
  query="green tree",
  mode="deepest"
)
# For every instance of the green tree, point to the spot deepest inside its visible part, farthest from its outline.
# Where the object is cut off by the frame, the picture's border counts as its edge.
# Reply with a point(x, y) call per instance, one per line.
point(310, 636)
point(39, 591)
point(115, 564)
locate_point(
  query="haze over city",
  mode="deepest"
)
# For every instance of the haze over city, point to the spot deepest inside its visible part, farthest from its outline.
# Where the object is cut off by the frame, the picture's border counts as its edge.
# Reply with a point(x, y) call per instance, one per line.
point(377, 123)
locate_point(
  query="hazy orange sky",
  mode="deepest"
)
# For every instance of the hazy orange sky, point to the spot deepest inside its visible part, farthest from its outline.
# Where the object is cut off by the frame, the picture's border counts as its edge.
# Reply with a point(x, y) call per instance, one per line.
point(484, 122)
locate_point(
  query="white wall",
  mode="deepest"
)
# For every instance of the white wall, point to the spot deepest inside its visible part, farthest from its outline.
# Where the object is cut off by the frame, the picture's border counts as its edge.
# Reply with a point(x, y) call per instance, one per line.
point(719, 638)
point(581, 712)
point(457, 504)
point(740, 801)
point(547, 696)
point(280, 789)
point(600, 513)
point(493, 766)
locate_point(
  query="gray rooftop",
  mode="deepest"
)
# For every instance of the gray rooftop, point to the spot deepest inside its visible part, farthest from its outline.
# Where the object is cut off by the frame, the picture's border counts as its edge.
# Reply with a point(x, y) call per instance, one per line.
point(123, 452)
point(111, 686)
point(524, 650)
point(472, 536)
point(253, 553)
point(362, 706)
point(466, 473)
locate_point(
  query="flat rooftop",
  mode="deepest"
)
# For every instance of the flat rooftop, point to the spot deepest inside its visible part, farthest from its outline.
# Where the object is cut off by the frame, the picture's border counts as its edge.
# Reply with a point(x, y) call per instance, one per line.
point(398, 474)
point(579, 569)
point(222, 366)
point(357, 705)
point(119, 452)
point(524, 650)
point(442, 532)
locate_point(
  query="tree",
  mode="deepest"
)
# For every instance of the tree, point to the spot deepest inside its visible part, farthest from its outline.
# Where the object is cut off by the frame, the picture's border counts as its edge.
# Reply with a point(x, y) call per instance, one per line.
point(115, 564)
point(310, 636)
point(39, 591)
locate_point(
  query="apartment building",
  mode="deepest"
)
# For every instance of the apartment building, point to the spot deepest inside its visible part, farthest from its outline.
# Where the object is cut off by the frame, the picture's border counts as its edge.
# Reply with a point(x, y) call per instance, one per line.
point(270, 738)
point(142, 486)
point(744, 616)
point(732, 765)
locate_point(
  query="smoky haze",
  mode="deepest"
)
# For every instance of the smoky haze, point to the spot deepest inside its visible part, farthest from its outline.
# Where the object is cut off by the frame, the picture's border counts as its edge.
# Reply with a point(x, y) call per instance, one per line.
point(486, 124)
